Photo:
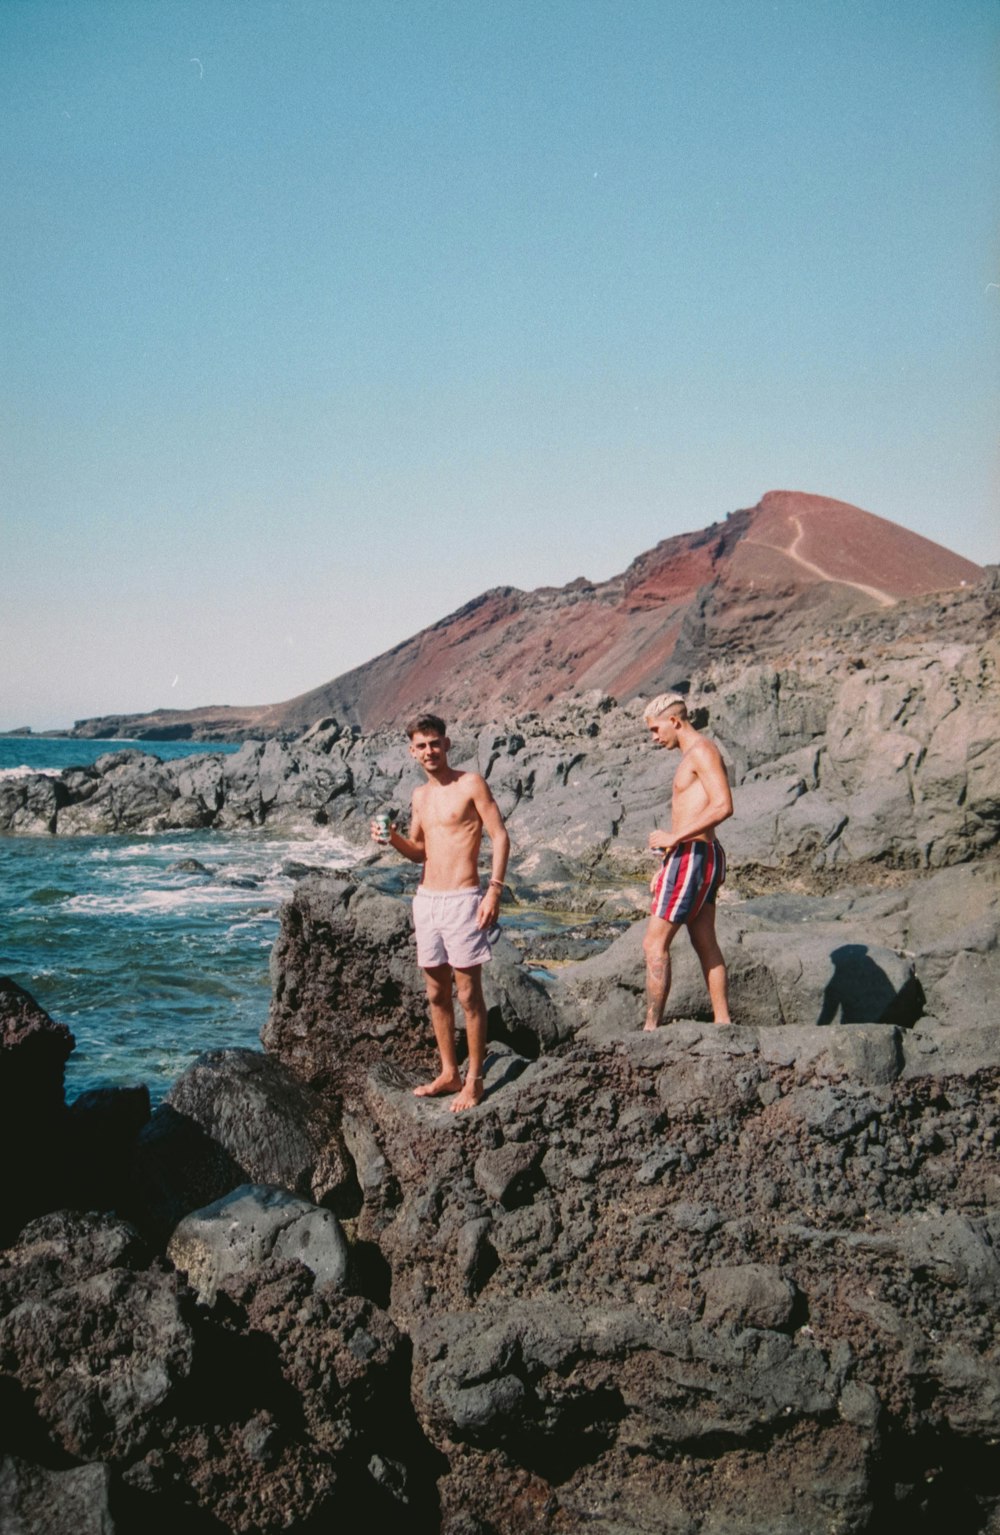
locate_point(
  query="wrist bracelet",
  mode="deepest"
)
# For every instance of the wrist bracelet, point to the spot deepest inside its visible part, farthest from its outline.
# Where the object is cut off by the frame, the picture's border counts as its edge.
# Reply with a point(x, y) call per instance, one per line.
point(498, 882)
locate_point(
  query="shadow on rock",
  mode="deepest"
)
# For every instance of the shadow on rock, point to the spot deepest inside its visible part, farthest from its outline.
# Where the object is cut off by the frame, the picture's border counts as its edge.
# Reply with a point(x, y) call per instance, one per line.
point(859, 991)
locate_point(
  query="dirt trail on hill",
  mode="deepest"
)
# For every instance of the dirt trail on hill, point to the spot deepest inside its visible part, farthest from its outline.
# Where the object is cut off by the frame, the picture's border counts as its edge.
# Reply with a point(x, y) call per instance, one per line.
point(792, 552)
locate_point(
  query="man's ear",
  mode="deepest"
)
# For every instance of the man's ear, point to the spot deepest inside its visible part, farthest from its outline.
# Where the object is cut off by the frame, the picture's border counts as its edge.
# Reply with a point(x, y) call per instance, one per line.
point(447, 743)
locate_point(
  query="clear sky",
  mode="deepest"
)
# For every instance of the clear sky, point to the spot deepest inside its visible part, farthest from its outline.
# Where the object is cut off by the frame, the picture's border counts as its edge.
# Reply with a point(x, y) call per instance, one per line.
point(320, 317)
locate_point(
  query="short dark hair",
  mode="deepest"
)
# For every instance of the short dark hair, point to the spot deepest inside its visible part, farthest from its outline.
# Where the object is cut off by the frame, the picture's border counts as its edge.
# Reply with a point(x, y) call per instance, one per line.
point(427, 724)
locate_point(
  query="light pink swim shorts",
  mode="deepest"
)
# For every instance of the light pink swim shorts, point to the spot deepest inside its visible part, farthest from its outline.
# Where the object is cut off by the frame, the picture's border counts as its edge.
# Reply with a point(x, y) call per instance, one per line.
point(445, 925)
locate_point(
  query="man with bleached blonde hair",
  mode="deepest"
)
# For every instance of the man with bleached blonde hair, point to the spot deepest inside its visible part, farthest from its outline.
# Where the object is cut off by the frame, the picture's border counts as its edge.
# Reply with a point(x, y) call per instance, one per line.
point(694, 864)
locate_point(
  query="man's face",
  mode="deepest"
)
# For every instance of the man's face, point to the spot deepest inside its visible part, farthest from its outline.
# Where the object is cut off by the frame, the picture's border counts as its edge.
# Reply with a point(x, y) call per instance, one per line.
point(430, 750)
point(664, 731)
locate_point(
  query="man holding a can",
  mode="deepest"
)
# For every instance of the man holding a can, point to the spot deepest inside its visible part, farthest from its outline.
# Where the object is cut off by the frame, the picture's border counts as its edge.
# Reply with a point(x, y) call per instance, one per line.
point(451, 914)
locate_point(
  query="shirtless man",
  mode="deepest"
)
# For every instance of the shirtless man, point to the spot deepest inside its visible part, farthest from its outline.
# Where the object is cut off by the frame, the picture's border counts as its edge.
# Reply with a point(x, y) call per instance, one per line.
point(694, 864)
point(450, 914)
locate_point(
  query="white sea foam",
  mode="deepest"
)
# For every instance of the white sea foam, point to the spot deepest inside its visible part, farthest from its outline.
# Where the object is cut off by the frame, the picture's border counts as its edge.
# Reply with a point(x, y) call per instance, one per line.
point(28, 772)
point(160, 902)
point(245, 872)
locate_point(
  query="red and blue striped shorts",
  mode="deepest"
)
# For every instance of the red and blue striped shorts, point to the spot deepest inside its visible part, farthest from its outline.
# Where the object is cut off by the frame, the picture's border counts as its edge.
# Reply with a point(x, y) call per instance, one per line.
point(692, 873)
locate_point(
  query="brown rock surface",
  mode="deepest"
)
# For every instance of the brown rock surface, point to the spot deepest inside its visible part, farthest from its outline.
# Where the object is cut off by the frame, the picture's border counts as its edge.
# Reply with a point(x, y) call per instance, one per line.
point(734, 1279)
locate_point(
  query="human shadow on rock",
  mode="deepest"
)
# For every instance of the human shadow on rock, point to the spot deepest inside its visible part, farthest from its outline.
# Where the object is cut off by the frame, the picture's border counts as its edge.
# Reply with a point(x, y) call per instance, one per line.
point(859, 991)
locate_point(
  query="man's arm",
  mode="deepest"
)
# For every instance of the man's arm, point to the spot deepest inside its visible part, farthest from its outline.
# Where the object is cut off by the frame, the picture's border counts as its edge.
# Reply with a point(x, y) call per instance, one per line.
point(718, 807)
point(493, 825)
point(414, 846)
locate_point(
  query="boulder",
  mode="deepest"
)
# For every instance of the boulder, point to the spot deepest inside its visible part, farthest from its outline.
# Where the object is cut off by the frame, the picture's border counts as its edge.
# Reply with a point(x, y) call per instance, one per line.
point(35, 1050)
point(30, 806)
point(346, 990)
point(33, 1053)
point(609, 989)
point(135, 793)
point(98, 1345)
point(838, 978)
point(234, 1117)
point(322, 736)
point(265, 1118)
point(236, 1234)
point(345, 987)
point(285, 1403)
point(102, 1127)
point(176, 1167)
point(37, 1501)
point(830, 975)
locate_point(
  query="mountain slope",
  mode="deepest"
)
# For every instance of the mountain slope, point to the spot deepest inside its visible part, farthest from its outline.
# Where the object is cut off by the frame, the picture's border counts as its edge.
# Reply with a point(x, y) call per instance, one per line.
point(762, 580)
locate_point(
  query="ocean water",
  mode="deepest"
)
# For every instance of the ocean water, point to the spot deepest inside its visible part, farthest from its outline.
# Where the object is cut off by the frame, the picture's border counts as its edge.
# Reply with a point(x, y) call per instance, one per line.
point(148, 963)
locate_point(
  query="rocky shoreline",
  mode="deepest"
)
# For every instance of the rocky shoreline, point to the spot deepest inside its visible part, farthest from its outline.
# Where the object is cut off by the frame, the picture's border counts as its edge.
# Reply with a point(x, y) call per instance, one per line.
point(712, 1281)
point(723, 1280)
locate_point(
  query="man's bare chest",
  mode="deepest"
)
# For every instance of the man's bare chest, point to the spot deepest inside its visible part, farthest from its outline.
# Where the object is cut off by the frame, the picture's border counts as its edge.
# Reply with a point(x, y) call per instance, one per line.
point(685, 779)
point(448, 810)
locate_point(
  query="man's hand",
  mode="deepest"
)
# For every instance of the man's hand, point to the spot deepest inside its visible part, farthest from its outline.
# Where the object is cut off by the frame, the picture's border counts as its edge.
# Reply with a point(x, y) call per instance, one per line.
point(383, 838)
point(489, 908)
point(661, 841)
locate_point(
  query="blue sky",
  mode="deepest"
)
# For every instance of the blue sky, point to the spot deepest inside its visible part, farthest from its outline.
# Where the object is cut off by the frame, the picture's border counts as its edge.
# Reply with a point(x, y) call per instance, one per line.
point(318, 319)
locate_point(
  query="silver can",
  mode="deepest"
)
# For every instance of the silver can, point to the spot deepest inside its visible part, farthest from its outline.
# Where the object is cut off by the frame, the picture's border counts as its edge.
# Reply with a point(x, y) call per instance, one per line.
point(383, 823)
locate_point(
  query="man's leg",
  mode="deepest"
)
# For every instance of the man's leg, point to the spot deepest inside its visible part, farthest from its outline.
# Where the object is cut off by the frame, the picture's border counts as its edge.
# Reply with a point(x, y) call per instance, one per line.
point(469, 985)
point(701, 930)
point(438, 979)
point(656, 947)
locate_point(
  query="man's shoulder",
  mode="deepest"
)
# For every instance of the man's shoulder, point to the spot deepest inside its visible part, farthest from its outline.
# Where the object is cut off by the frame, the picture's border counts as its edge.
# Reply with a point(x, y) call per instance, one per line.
point(471, 783)
point(705, 743)
point(704, 750)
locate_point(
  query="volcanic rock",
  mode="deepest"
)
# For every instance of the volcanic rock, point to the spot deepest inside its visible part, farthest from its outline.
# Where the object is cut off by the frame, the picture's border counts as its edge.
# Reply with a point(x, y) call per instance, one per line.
point(611, 1334)
point(98, 1344)
point(33, 1053)
point(286, 1401)
point(236, 1234)
point(346, 991)
point(648, 1267)
point(29, 806)
point(34, 1499)
point(234, 1117)
point(272, 1126)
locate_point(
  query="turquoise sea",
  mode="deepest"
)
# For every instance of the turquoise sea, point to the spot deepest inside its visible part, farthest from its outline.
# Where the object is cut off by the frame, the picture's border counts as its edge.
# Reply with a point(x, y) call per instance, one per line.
point(147, 963)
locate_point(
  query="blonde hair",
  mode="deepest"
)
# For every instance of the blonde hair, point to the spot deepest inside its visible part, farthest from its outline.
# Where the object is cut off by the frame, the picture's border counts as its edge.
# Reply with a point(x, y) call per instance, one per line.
point(663, 704)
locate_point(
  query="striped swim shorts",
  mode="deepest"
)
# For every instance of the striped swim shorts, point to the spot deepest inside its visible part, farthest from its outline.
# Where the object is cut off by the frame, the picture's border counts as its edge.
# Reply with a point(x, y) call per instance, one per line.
point(691, 874)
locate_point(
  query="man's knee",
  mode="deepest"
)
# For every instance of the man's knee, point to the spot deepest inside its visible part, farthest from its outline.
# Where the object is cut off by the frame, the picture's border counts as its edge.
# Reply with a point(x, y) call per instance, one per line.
point(656, 944)
point(438, 982)
point(469, 985)
point(701, 929)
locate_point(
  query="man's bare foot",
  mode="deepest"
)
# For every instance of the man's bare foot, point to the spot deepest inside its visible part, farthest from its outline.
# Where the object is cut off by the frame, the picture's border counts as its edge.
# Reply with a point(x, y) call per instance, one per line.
point(447, 1082)
point(723, 1023)
point(471, 1094)
point(650, 1025)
